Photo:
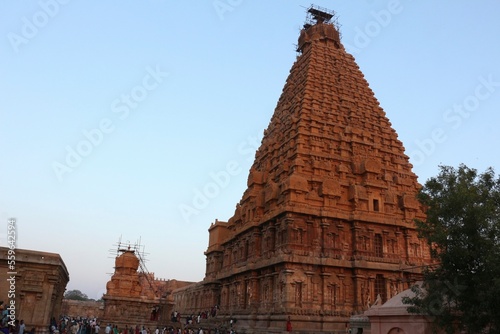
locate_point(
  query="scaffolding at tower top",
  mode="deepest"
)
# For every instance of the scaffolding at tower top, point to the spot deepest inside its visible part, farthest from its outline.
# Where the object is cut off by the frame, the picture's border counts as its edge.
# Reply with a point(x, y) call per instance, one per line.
point(138, 249)
point(318, 15)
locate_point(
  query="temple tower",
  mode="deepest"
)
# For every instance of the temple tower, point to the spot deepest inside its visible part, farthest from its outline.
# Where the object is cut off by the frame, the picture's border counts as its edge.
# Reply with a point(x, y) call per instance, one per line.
point(325, 227)
point(134, 297)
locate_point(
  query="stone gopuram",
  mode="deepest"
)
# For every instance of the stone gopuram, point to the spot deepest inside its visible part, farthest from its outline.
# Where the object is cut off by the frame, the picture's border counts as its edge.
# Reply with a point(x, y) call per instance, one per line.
point(135, 297)
point(325, 228)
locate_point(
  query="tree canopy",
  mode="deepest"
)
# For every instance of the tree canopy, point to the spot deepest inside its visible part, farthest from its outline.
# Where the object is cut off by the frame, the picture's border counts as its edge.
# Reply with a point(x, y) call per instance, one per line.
point(75, 295)
point(462, 291)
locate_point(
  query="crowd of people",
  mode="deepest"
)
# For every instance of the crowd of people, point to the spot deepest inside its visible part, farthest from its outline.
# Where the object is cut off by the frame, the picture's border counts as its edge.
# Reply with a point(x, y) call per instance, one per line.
point(190, 319)
point(194, 324)
point(80, 325)
point(8, 325)
point(17, 328)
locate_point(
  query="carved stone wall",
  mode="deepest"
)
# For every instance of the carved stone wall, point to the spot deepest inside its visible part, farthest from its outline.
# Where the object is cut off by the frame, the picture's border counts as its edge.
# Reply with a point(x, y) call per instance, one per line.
point(40, 282)
point(79, 308)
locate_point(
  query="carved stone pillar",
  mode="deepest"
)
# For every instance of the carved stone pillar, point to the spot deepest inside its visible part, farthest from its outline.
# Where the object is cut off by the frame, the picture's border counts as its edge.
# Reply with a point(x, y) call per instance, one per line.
point(324, 231)
point(355, 230)
point(342, 299)
point(325, 277)
point(255, 291)
point(257, 240)
point(407, 238)
point(308, 293)
point(360, 291)
point(288, 297)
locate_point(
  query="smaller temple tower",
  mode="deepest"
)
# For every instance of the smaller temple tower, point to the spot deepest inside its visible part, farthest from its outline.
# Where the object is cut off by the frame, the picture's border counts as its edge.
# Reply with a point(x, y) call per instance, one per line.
point(129, 302)
point(125, 281)
point(134, 297)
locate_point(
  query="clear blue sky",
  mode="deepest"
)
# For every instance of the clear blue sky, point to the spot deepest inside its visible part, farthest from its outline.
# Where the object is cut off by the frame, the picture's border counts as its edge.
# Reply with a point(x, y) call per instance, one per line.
point(116, 115)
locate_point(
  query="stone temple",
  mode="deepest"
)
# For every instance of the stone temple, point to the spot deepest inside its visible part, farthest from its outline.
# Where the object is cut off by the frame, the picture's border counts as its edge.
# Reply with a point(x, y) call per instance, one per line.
point(134, 296)
point(325, 228)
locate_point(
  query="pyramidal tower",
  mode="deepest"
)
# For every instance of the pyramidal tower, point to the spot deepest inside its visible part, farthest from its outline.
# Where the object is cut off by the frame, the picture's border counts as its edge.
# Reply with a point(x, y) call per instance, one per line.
point(325, 228)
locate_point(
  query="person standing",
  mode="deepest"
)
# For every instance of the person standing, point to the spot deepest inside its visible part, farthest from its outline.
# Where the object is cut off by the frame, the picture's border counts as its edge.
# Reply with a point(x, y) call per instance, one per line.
point(22, 326)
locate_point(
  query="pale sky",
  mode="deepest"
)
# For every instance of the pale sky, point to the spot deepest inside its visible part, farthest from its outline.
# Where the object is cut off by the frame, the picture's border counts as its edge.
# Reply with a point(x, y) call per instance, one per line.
point(140, 119)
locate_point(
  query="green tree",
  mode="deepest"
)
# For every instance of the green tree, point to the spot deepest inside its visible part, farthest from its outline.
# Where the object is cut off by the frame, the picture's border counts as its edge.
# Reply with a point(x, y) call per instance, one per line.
point(75, 295)
point(462, 291)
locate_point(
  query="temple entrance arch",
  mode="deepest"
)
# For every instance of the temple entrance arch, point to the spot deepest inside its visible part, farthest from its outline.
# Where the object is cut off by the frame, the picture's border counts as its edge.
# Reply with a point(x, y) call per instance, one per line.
point(396, 330)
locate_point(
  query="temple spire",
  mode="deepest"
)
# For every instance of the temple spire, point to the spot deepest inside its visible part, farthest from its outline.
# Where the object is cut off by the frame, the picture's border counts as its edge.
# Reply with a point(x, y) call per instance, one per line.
point(330, 202)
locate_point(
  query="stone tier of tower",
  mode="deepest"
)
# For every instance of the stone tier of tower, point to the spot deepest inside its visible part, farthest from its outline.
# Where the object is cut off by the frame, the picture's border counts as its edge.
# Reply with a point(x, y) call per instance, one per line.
point(325, 228)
